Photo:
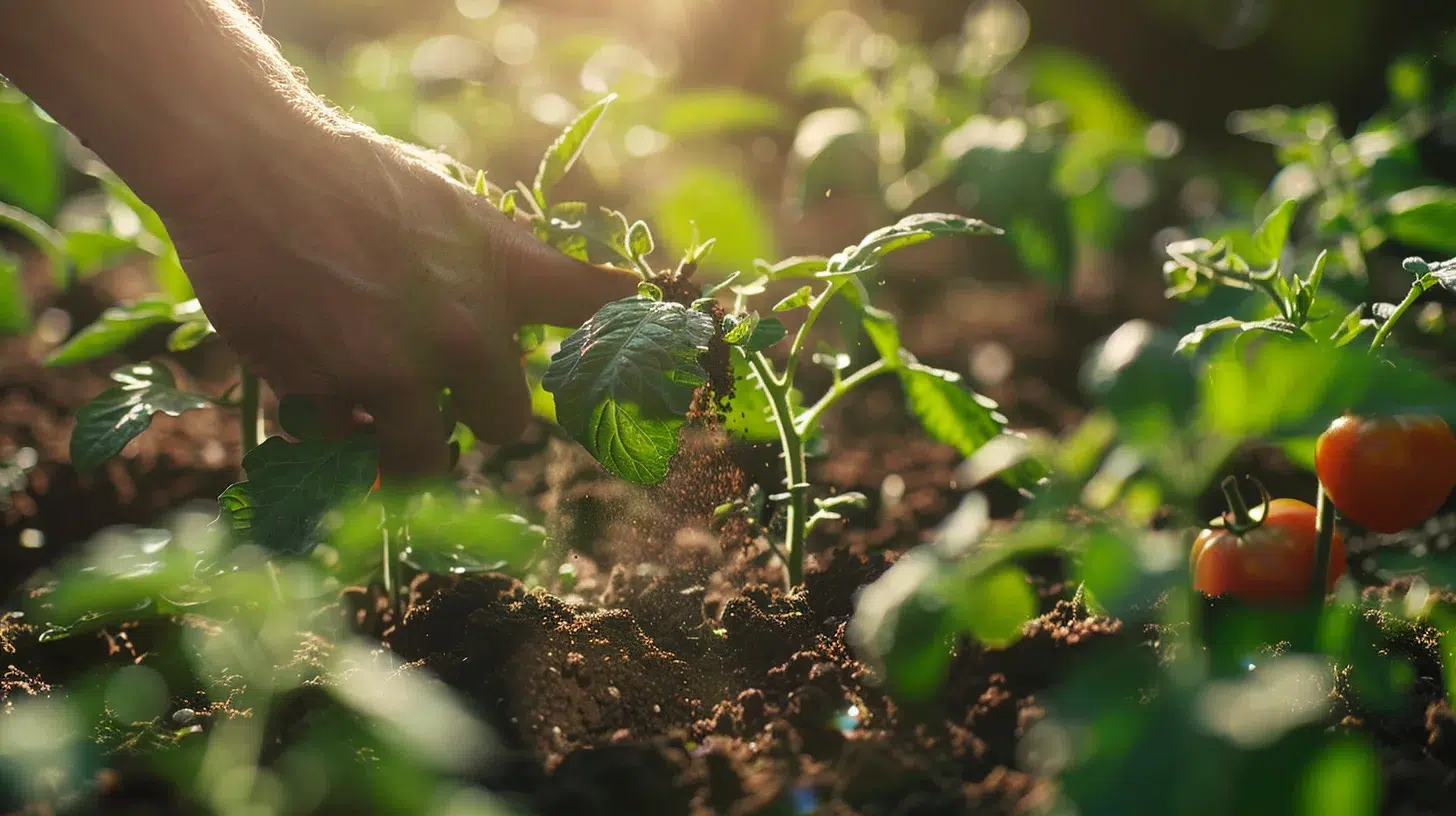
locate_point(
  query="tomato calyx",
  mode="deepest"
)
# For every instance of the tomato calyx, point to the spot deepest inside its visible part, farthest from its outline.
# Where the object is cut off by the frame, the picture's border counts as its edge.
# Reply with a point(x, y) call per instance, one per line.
point(1238, 519)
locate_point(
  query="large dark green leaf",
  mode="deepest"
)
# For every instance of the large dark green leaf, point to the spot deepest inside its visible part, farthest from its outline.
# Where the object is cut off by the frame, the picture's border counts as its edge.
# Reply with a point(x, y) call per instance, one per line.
point(623, 383)
point(14, 303)
point(120, 413)
point(564, 152)
point(291, 485)
point(116, 327)
point(911, 230)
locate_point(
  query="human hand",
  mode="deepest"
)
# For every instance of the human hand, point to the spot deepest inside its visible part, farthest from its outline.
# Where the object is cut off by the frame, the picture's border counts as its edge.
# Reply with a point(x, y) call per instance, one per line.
point(359, 274)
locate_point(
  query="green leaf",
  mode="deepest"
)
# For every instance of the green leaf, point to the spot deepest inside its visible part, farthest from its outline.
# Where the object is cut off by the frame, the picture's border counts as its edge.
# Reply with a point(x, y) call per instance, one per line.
point(1354, 324)
point(14, 303)
point(713, 111)
point(947, 409)
point(769, 331)
point(797, 300)
point(508, 203)
point(564, 152)
point(455, 536)
point(1192, 340)
point(30, 163)
point(1424, 217)
point(120, 413)
point(623, 383)
point(649, 290)
point(639, 239)
point(738, 328)
point(168, 267)
point(884, 333)
point(116, 327)
point(92, 252)
point(587, 233)
point(292, 485)
point(51, 243)
point(902, 625)
point(908, 231)
point(799, 266)
point(749, 415)
point(997, 606)
point(1272, 235)
point(190, 335)
point(718, 203)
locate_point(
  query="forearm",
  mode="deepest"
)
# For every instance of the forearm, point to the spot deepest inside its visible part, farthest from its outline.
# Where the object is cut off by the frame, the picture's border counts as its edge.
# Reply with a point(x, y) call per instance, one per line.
point(173, 94)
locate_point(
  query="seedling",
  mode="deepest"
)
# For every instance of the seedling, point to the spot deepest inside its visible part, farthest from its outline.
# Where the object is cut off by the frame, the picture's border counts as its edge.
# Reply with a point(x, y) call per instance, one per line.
point(624, 381)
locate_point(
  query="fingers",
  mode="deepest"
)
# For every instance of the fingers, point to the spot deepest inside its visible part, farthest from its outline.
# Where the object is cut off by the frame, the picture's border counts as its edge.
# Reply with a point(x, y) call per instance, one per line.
point(407, 431)
point(548, 287)
point(487, 385)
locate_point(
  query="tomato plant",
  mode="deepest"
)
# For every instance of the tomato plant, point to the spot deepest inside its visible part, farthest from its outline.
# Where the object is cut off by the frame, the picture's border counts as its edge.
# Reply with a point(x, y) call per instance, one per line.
point(1387, 473)
point(1265, 556)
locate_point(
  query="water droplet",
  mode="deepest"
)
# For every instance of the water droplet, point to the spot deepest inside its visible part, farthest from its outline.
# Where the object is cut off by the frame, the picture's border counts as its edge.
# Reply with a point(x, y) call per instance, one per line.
point(32, 539)
point(183, 716)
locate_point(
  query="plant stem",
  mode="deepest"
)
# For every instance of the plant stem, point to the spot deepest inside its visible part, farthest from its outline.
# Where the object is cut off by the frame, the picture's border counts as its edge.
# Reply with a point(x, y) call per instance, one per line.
point(811, 416)
point(816, 308)
point(795, 467)
point(1324, 536)
point(1422, 285)
point(252, 414)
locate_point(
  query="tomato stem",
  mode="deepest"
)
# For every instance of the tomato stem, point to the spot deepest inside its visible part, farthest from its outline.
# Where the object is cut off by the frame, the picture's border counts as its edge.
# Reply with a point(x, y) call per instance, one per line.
point(252, 419)
point(1239, 519)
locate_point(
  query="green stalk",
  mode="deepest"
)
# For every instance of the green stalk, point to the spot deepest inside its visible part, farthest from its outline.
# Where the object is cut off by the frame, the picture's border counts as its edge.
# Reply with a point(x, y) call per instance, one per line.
point(795, 466)
point(801, 338)
point(1324, 537)
point(811, 416)
point(1422, 285)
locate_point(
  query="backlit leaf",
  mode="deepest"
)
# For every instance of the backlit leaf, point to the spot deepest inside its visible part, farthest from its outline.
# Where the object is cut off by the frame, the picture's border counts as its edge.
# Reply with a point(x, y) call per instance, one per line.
point(623, 383)
point(564, 152)
point(116, 327)
point(911, 230)
point(120, 413)
point(14, 303)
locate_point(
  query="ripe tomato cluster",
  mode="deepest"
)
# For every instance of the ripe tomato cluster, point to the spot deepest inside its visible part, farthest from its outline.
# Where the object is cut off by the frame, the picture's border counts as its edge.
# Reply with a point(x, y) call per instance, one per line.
point(1387, 473)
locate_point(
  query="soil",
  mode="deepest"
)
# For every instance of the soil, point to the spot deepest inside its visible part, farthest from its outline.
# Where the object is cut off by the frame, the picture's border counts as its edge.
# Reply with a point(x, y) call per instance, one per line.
point(672, 675)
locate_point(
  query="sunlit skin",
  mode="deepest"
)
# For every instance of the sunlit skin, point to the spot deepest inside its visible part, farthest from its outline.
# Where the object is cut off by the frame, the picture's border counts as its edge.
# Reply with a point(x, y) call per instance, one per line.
point(1273, 562)
point(1387, 473)
point(338, 264)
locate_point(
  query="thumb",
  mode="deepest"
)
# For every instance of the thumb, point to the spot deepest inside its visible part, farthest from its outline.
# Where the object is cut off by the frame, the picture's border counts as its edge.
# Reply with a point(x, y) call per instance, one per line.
point(546, 286)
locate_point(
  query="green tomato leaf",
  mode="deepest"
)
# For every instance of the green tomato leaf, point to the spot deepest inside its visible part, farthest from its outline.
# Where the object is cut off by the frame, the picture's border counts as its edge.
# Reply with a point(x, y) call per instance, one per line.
point(639, 239)
point(909, 231)
point(799, 266)
point(623, 383)
point(1272, 235)
point(190, 335)
point(91, 252)
point(1191, 341)
point(587, 233)
point(292, 485)
point(30, 164)
point(737, 329)
point(1424, 217)
point(120, 413)
point(947, 409)
point(116, 327)
point(564, 152)
point(996, 607)
point(51, 243)
point(884, 332)
point(14, 303)
point(769, 331)
point(797, 300)
point(455, 536)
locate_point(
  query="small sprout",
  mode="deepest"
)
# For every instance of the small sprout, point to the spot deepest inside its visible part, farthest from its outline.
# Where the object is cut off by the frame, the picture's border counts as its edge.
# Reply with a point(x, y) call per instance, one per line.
point(738, 328)
point(481, 186)
point(508, 204)
point(704, 305)
point(651, 291)
point(1416, 266)
point(566, 575)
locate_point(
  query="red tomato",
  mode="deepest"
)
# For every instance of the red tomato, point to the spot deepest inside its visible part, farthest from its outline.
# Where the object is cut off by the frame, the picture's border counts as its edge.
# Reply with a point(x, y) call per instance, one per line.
point(1387, 473)
point(1270, 562)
